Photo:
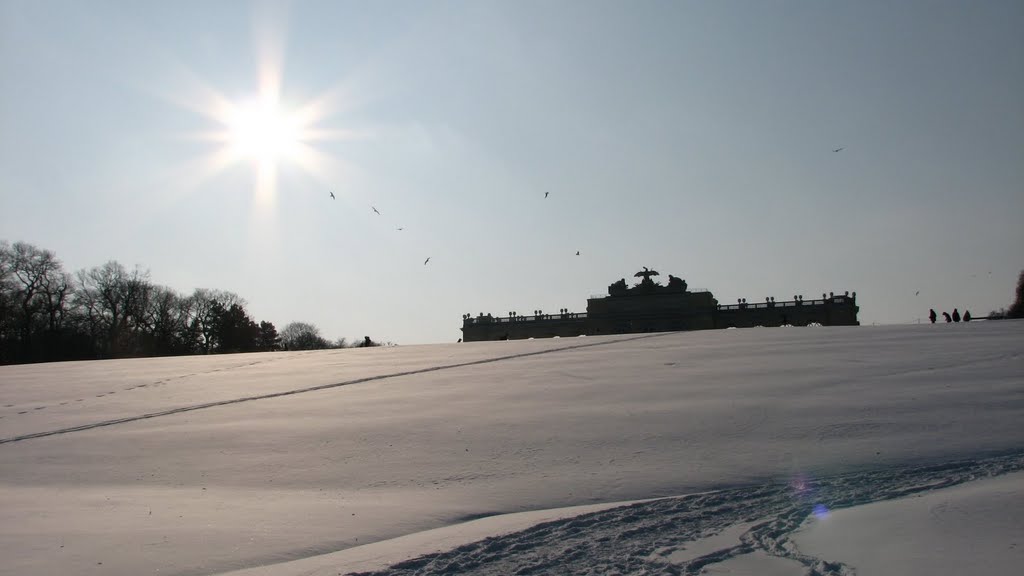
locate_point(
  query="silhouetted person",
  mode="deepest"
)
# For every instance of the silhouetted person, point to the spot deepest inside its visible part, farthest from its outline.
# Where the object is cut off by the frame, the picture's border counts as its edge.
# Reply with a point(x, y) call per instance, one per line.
point(931, 315)
point(946, 316)
point(956, 315)
point(332, 196)
point(967, 315)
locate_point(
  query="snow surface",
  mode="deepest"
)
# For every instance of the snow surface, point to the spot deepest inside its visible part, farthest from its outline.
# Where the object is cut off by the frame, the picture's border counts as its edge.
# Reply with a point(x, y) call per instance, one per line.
point(975, 528)
point(297, 461)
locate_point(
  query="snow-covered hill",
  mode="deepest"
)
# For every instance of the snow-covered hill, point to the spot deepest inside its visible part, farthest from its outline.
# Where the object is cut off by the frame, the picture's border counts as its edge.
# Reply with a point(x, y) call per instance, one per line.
point(207, 465)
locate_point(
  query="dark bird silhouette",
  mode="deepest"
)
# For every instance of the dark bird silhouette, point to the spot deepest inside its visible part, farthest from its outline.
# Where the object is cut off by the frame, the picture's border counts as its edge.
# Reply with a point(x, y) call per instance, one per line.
point(916, 293)
point(375, 210)
point(577, 252)
point(840, 149)
point(400, 228)
point(427, 260)
point(546, 194)
point(332, 196)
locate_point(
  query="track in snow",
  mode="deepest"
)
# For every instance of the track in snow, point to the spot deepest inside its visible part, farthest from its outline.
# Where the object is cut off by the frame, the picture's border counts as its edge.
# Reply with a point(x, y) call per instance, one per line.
point(639, 538)
point(206, 405)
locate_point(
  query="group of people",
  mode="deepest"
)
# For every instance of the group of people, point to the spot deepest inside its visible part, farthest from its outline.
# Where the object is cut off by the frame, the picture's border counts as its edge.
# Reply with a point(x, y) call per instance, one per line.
point(954, 318)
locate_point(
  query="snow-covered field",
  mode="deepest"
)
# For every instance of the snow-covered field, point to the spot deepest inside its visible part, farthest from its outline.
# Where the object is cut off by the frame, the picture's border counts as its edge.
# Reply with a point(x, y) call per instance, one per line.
point(868, 450)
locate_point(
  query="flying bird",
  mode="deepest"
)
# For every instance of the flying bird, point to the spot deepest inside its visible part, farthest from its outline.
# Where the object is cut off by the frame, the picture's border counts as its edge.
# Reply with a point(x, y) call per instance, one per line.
point(546, 194)
point(427, 260)
point(916, 293)
point(375, 210)
point(400, 228)
point(332, 196)
point(840, 149)
point(577, 252)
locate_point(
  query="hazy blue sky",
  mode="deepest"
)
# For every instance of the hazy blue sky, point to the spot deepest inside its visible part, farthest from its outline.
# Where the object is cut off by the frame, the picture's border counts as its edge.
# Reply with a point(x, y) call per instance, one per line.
point(691, 137)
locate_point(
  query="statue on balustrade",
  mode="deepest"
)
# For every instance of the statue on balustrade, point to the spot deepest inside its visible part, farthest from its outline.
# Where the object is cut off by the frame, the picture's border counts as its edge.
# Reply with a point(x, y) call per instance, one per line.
point(676, 284)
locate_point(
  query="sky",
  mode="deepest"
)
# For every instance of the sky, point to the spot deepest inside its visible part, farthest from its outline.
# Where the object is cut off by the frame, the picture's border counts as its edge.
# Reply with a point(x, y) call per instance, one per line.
point(201, 141)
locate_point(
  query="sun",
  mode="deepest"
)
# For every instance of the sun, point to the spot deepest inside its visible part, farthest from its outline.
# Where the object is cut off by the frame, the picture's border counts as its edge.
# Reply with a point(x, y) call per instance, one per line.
point(265, 132)
point(270, 128)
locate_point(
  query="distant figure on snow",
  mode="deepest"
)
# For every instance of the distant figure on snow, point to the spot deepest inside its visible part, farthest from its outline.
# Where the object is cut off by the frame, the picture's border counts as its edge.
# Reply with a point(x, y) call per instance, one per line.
point(967, 315)
point(946, 316)
point(956, 315)
point(931, 315)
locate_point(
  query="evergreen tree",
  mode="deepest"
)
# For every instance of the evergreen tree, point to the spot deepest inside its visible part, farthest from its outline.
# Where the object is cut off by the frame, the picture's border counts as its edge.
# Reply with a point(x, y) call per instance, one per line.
point(1017, 308)
point(267, 339)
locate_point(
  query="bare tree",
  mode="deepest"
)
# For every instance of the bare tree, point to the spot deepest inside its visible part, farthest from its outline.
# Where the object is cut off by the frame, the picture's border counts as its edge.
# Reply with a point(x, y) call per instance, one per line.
point(7, 327)
point(302, 336)
point(113, 301)
point(38, 285)
point(166, 322)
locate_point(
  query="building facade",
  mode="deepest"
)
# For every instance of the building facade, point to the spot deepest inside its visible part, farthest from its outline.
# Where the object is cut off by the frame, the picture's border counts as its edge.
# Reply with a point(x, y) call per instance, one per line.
point(651, 307)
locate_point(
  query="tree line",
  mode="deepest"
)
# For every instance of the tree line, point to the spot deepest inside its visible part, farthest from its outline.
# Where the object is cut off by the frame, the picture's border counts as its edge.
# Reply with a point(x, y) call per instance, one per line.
point(110, 311)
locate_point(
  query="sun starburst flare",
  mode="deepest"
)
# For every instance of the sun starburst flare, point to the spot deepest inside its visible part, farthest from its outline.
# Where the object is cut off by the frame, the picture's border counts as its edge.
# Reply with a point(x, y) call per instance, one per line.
point(265, 132)
point(265, 129)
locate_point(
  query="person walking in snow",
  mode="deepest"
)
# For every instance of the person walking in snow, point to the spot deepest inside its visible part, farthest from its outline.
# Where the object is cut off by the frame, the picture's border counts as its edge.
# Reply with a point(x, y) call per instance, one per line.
point(956, 315)
point(967, 315)
point(931, 315)
point(946, 316)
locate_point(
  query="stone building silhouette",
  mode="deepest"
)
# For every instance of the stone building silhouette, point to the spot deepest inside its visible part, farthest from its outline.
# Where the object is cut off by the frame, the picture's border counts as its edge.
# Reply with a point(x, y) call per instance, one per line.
point(651, 307)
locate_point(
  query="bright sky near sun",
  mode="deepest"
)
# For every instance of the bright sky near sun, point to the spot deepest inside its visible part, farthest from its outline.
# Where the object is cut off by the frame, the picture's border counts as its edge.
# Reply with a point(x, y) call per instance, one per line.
point(202, 140)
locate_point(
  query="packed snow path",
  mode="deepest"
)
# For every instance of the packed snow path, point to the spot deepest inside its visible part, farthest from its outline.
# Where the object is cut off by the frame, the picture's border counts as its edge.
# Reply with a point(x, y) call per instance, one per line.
point(643, 538)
